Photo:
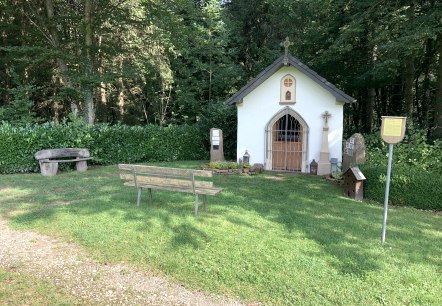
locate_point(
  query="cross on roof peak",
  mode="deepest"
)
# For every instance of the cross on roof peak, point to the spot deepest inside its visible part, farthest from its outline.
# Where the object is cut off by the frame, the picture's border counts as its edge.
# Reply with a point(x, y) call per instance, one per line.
point(286, 44)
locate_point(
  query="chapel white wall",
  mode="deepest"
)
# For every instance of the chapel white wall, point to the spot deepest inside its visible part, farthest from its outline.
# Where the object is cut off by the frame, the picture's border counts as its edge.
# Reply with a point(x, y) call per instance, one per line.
point(312, 101)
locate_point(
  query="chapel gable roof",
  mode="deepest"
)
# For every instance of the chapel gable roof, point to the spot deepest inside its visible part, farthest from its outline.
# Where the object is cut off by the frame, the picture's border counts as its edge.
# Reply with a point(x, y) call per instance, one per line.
point(293, 61)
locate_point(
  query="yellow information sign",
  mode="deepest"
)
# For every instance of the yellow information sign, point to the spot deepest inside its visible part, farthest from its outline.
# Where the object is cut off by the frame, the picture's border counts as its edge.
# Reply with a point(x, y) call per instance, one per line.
point(393, 129)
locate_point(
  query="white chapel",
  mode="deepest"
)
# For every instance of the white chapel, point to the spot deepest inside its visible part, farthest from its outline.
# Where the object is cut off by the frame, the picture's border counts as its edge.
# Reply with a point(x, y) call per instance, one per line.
point(289, 116)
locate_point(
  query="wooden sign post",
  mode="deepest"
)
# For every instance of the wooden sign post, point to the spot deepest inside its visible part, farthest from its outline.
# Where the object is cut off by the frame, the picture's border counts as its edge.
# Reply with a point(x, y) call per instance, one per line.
point(392, 131)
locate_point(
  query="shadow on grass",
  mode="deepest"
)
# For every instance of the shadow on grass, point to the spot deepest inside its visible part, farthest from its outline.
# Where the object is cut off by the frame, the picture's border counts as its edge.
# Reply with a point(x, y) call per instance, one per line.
point(187, 234)
point(348, 231)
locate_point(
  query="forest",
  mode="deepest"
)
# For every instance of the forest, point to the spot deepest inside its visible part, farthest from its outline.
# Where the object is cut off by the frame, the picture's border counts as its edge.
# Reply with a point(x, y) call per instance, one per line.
point(166, 62)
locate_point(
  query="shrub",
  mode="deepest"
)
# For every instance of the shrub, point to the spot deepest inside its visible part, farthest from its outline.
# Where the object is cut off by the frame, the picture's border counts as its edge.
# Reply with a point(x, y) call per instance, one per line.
point(414, 150)
point(108, 144)
point(416, 171)
point(409, 186)
point(223, 165)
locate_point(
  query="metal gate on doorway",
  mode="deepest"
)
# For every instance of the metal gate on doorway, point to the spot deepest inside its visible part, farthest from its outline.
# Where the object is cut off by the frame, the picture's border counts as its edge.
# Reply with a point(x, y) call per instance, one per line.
point(286, 142)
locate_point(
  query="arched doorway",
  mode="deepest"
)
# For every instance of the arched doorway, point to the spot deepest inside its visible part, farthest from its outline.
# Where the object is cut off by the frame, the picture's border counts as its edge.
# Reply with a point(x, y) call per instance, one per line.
point(286, 142)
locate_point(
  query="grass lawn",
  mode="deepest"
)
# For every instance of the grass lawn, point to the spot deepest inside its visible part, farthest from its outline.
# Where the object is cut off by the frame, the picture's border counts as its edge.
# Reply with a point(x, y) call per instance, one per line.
point(275, 239)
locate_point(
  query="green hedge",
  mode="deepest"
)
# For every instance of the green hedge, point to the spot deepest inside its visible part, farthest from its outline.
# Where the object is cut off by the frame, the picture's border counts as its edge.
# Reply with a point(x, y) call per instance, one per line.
point(415, 151)
point(108, 144)
point(409, 186)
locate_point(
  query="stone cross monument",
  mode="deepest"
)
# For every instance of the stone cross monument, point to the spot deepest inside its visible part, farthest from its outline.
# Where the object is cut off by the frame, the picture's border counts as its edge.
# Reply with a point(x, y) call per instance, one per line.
point(324, 157)
point(216, 145)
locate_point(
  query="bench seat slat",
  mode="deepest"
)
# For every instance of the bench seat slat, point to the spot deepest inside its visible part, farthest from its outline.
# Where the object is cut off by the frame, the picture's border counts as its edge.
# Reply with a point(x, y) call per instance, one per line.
point(198, 190)
point(141, 179)
point(65, 160)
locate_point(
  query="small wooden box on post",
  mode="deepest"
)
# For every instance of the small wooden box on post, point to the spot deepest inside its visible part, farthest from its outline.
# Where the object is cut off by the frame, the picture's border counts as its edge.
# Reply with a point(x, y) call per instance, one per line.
point(354, 183)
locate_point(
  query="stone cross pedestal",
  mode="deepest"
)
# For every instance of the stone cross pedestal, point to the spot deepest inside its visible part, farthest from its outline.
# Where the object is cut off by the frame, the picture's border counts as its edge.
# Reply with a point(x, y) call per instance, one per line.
point(324, 157)
point(216, 145)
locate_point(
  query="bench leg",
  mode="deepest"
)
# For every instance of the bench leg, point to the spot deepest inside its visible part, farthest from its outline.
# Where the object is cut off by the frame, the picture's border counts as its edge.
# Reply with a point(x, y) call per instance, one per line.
point(196, 204)
point(81, 166)
point(48, 169)
point(149, 193)
point(139, 197)
point(205, 202)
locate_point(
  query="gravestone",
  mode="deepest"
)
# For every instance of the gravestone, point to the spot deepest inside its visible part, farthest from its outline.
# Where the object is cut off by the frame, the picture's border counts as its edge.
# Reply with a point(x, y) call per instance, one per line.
point(354, 152)
point(216, 145)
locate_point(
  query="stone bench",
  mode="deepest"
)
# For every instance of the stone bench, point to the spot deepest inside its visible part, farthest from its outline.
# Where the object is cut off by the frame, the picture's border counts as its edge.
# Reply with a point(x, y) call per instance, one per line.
point(49, 159)
point(173, 179)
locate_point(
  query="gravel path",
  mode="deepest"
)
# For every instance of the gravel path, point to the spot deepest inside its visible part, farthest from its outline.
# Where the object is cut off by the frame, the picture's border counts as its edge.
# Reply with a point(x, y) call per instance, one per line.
point(90, 282)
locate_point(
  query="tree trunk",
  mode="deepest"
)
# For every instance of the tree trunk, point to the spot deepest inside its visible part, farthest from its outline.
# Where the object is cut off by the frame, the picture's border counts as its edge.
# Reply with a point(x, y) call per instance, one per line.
point(121, 95)
point(416, 98)
point(356, 113)
point(102, 89)
point(62, 67)
point(369, 109)
point(384, 101)
point(409, 74)
point(87, 88)
point(6, 82)
point(378, 107)
point(371, 92)
point(425, 99)
point(437, 122)
point(408, 88)
point(396, 103)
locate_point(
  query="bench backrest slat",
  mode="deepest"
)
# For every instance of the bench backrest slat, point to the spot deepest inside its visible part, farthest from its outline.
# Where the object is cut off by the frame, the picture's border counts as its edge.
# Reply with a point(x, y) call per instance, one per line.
point(165, 171)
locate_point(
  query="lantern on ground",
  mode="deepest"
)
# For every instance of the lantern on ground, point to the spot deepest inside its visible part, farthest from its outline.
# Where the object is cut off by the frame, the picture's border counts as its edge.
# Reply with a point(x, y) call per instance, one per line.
point(246, 158)
point(314, 167)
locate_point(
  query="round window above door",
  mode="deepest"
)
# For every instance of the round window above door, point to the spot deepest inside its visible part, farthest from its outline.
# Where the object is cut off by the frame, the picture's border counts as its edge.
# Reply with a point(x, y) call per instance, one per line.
point(288, 84)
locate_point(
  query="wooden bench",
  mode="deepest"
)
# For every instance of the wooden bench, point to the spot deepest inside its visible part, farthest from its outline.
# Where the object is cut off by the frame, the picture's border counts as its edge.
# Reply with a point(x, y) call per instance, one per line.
point(173, 179)
point(49, 159)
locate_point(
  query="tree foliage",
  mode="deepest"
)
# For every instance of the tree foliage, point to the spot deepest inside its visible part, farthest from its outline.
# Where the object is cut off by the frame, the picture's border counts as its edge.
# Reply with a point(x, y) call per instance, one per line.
point(164, 62)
